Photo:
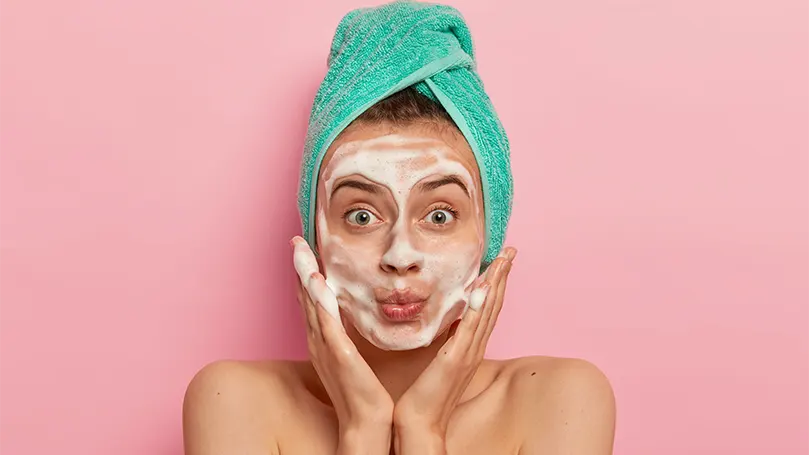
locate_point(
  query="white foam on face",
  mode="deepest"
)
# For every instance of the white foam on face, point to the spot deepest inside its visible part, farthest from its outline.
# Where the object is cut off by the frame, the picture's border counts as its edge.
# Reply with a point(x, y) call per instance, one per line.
point(354, 269)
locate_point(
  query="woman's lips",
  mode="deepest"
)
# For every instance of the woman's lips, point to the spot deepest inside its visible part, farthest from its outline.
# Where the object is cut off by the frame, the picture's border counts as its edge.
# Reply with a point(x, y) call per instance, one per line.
point(398, 312)
point(401, 304)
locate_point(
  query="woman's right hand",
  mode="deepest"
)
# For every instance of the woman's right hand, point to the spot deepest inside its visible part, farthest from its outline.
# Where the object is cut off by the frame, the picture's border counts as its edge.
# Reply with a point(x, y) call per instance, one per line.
point(364, 408)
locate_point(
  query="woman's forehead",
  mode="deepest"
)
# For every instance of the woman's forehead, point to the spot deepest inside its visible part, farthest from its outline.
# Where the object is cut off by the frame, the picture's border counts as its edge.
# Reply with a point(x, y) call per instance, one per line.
point(417, 143)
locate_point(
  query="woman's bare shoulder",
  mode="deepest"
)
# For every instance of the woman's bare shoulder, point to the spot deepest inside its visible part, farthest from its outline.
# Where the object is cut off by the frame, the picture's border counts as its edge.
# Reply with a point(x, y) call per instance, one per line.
point(571, 400)
point(234, 377)
point(229, 398)
point(543, 368)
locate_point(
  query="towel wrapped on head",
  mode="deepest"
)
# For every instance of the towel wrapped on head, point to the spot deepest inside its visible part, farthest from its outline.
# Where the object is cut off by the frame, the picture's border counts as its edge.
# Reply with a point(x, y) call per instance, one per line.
point(379, 51)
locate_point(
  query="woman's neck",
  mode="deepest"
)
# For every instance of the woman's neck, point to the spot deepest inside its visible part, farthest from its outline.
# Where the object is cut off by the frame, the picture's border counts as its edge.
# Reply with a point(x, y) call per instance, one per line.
point(397, 370)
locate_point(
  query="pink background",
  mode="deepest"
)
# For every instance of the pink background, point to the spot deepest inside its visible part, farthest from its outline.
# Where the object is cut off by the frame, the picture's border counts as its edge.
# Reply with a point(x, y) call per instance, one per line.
point(150, 152)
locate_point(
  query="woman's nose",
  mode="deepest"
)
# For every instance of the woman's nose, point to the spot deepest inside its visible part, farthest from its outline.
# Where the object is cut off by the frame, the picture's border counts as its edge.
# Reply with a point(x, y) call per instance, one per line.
point(401, 258)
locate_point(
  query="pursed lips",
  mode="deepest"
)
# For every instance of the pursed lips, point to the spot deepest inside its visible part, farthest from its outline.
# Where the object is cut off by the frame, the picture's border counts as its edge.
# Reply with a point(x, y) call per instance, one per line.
point(401, 304)
point(399, 296)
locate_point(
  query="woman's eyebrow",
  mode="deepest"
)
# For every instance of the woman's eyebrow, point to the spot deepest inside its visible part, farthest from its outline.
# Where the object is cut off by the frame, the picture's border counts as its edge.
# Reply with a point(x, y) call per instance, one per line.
point(362, 186)
point(446, 180)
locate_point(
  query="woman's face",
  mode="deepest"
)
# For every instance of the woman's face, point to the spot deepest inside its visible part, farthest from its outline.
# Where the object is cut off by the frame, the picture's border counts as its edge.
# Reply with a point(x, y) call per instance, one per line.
point(400, 230)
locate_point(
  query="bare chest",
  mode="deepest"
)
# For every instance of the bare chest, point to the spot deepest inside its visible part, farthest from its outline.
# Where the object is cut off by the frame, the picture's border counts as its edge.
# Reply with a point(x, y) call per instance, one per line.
point(480, 427)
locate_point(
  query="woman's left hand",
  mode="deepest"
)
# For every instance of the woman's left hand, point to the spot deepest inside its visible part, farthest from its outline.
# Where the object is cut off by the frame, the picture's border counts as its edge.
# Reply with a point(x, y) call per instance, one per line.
point(421, 415)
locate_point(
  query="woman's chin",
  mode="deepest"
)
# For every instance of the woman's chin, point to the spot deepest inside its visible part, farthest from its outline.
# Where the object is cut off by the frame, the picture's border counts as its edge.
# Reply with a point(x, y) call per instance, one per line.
point(405, 337)
point(399, 337)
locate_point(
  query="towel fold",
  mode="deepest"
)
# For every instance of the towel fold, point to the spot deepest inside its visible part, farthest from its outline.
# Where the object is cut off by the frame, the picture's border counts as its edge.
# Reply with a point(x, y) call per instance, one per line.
point(379, 51)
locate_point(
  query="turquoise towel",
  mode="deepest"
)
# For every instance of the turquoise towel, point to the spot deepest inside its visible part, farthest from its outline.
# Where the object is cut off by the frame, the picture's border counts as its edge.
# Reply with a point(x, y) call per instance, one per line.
point(379, 51)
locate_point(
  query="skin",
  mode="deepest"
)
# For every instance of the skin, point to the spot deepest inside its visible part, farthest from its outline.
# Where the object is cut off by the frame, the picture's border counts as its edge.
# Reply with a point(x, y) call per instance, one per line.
point(352, 397)
point(399, 213)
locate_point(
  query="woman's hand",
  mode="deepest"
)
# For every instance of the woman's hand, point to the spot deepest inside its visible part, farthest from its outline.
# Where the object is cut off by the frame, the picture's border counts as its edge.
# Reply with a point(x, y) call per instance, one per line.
point(364, 408)
point(422, 414)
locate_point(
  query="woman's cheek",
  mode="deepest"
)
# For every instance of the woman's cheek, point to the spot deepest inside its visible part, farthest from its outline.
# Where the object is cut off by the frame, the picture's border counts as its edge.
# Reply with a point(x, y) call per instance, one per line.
point(348, 263)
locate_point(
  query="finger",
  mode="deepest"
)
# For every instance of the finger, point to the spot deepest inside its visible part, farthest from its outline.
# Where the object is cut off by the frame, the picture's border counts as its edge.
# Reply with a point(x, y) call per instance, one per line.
point(488, 272)
point(499, 299)
point(463, 332)
point(309, 305)
point(476, 311)
point(491, 299)
point(314, 340)
point(307, 267)
point(496, 305)
point(299, 291)
point(508, 254)
point(481, 278)
point(334, 335)
point(323, 295)
point(476, 294)
point(304, 260)
point(302, 297)
point(492, 281)
point(453, 328)
point(476, 298)
point(327, 323)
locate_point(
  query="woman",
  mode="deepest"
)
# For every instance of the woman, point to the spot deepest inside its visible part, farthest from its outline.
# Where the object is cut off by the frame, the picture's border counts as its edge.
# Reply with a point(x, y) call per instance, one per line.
point(405, 195)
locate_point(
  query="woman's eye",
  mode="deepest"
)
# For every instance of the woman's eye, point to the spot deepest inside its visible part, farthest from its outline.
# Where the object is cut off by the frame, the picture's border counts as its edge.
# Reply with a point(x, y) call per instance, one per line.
point(361, 217)
point(439, 217)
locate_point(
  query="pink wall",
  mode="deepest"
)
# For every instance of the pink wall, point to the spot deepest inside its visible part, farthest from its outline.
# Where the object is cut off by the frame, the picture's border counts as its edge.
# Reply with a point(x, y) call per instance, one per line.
point(150, 151)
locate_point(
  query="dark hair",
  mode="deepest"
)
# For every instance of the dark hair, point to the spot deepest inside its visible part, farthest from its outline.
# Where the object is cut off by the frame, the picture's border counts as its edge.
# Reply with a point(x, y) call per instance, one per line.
point(406, 107)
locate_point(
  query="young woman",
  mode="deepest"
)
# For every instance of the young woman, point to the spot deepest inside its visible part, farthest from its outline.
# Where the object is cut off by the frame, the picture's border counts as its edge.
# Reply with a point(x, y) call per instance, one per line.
point(401, 282)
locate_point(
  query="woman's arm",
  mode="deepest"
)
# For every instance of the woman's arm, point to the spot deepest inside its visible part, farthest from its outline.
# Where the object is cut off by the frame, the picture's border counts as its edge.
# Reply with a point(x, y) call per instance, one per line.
point(364, 441)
